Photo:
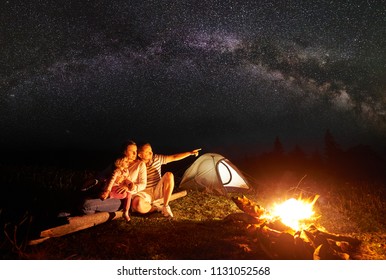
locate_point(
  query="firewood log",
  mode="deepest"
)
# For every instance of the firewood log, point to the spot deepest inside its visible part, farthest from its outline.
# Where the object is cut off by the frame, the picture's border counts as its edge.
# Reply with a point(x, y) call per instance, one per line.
point(284, 246)
point(270, 233)
point(303, 248)
point(248, 206)
point(340, 238)
point(277, 224)
point(325, 252)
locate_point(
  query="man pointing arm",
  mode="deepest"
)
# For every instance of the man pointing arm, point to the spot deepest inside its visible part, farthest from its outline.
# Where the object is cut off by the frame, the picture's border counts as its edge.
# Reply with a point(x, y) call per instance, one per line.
point(158, 185)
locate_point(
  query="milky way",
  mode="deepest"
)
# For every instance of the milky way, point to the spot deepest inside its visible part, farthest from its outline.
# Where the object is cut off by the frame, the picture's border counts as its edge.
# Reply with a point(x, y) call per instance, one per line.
point(192, 73)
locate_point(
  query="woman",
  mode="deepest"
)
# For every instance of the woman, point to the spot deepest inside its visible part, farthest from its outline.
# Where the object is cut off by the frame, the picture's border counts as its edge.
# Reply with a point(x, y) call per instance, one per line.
point(129, 177)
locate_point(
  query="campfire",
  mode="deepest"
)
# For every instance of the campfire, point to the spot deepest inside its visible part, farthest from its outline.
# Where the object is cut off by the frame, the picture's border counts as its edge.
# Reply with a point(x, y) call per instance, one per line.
point(294, 213)
point(287, 231)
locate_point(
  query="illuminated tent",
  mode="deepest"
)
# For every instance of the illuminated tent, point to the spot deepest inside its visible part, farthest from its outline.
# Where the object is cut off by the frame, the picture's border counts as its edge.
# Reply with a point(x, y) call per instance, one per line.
point(212, 173)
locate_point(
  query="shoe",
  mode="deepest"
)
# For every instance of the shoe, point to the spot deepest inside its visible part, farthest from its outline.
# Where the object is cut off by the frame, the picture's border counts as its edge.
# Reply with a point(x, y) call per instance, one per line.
point(167, 212)
point(64, 214)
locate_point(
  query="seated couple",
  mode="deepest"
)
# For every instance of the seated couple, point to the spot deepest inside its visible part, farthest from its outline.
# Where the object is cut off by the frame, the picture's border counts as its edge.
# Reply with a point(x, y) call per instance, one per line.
point(137, 183)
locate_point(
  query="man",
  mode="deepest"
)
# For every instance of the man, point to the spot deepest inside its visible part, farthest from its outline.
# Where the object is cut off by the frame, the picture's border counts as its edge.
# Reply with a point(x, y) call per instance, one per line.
point(133, 181)
point(158, 186)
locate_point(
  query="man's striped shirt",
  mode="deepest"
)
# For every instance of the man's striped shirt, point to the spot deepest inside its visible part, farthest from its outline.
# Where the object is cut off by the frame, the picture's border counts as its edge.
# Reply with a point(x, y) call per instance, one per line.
point(154, 170)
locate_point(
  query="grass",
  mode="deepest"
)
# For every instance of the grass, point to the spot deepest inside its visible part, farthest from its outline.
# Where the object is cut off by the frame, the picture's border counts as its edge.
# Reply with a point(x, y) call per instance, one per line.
point(199, 229)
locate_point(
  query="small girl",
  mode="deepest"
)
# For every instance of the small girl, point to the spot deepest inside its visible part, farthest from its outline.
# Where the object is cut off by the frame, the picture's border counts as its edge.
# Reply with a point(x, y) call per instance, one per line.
point(121, 178)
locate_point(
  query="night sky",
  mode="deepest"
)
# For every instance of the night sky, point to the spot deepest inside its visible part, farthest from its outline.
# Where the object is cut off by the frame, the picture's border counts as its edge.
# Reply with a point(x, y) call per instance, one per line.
point(188, 74)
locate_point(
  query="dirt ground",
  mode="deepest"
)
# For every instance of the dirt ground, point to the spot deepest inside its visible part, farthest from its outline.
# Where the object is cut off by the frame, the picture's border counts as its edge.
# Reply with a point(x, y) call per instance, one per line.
point(199, 230)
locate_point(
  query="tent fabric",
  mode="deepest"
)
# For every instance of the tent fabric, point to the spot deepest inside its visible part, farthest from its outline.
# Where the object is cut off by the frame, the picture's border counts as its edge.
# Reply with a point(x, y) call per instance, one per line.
point(212, 173)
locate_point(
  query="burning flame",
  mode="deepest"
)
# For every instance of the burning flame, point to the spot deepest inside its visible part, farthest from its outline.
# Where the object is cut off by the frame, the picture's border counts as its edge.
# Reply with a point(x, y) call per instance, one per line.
point(293, 212)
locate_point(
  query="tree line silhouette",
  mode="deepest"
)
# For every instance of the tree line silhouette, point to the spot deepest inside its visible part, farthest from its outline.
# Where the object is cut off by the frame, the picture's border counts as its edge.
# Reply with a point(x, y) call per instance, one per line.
point(357, 163)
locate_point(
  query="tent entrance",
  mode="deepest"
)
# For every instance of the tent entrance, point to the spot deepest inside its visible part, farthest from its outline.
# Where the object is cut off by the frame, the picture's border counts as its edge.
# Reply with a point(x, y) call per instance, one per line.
point(229, 177)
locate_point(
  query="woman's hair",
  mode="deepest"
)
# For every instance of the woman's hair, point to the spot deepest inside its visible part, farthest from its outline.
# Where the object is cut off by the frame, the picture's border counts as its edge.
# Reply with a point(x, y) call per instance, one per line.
point(126, 144)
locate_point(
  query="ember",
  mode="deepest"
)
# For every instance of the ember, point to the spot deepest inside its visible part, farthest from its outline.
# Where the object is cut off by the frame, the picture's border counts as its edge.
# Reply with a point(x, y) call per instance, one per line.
point(286, 232)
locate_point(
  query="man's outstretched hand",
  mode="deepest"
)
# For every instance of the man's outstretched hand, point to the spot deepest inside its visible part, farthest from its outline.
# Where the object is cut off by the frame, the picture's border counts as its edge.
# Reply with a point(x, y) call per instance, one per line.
point(195, 152)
